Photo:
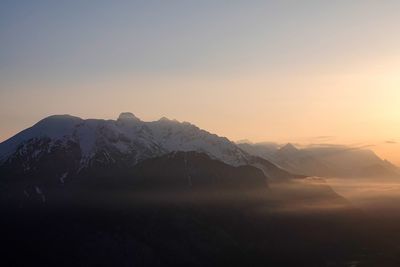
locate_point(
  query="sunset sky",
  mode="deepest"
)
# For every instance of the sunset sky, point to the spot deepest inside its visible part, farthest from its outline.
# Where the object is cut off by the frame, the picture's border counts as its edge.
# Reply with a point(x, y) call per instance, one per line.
point(299, 71)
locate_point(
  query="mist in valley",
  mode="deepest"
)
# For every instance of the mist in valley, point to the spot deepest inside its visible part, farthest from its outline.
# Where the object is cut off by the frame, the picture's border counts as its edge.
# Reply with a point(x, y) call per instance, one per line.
point(374, 195)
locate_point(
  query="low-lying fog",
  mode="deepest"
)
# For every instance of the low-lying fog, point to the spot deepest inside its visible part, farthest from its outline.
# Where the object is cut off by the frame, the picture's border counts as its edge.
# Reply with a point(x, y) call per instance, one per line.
point(305, 222)
point(371, 194)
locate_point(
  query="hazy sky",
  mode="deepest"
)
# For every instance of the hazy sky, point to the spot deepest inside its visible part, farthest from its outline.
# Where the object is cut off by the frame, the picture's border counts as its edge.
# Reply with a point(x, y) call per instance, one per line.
point(300, 71)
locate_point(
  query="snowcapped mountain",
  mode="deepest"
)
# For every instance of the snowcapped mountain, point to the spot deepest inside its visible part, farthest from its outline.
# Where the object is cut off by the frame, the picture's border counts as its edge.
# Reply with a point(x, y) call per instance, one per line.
point(62, 146)
point(108, 140)
point(63, 153)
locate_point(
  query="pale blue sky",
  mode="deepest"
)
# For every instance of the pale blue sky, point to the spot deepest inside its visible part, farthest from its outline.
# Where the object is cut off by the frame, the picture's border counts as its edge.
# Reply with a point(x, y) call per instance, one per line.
point(70, 40)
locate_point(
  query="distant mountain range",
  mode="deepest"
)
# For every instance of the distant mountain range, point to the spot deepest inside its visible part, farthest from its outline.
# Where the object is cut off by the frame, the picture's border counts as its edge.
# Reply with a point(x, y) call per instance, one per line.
point(324, 160)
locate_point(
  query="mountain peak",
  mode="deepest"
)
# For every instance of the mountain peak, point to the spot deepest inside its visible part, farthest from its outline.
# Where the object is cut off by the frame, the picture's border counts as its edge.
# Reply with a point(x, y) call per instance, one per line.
point(166, 120)
point(56, 124)
point(63, 117)
point(289, 147)
point(127, 116)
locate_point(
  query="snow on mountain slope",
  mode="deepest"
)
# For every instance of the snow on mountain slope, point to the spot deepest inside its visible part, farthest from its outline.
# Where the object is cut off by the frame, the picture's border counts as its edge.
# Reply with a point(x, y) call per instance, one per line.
point(184, 136)
point(56, 127)
point(127, 136)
